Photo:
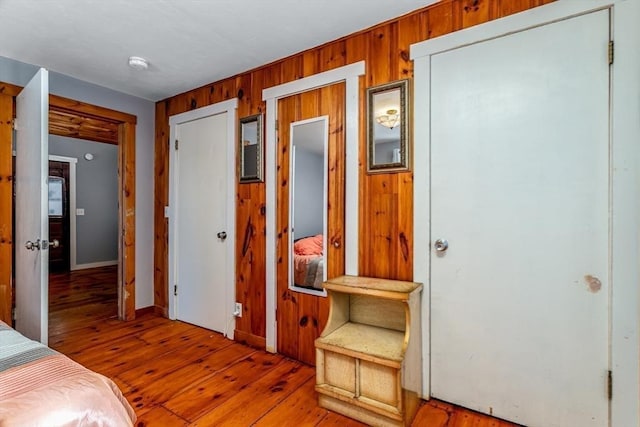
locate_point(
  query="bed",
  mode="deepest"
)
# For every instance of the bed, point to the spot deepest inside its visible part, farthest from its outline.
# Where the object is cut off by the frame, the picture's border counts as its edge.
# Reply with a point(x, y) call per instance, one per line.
point(308, 262)
point(41, 387)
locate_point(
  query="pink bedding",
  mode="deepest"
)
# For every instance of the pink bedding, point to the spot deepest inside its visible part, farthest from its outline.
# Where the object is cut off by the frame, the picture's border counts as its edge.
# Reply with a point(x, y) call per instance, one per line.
point(52, 390)
point(308, 262)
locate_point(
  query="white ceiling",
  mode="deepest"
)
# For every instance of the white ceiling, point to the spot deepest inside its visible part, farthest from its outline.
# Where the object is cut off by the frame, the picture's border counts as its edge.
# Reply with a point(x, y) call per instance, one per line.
point(188, 43)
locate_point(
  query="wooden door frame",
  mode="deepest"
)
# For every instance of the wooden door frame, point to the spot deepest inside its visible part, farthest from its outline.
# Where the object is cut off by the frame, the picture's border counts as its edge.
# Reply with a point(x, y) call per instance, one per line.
point(350, 74)
point(624, 294)
point(126, 194)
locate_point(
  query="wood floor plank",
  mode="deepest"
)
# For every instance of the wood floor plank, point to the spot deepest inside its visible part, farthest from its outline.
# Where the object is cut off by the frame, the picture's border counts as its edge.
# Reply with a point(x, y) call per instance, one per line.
point(160, 416)
point(432, 415)
point(273, 388)
point(196, 400)
point(337, 420)
point(102, 333)
point(176, 374)
point(157, 386)
point(196, 358)
point(301, 406)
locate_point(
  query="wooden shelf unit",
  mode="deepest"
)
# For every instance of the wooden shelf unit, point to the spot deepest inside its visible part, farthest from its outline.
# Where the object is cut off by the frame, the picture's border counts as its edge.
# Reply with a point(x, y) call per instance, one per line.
point(368, 357)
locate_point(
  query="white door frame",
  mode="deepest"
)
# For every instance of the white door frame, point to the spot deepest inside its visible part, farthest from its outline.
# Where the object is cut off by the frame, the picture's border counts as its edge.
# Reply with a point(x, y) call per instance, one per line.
point(625, 178)
point(228, 107)
point(350, 74)
point(72, 207)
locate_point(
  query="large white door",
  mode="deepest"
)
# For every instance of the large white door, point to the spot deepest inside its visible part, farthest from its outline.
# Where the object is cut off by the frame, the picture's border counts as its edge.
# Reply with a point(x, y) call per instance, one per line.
point(32, 201)
point(202, 265)
point(520, 192)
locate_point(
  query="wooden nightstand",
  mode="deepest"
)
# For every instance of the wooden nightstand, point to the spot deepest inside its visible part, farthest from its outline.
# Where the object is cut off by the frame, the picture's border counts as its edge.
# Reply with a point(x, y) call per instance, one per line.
point(368, 358)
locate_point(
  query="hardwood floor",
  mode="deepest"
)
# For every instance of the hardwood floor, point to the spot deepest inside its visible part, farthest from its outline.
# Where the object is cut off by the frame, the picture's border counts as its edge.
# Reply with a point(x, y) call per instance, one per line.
point(176, 374)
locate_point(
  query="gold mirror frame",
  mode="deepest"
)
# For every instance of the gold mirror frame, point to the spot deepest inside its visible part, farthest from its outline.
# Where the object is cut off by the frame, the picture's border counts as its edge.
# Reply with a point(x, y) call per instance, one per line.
point(388, 127)
point(250, 147)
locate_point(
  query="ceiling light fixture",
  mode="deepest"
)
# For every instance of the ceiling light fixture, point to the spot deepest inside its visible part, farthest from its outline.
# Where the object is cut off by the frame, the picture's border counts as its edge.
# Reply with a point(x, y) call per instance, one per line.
point(390, 119)
point(138, 63)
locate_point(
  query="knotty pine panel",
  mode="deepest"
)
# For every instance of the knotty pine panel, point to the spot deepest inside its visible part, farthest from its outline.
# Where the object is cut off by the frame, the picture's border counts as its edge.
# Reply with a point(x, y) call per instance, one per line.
point(6, 205)
point(160, 200)
point(385, 200)
point(127, 201)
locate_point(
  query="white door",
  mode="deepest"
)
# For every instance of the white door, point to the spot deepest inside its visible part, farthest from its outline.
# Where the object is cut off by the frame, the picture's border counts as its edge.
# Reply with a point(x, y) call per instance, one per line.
point(32, 201)
point(200, 218)
point(520, 192)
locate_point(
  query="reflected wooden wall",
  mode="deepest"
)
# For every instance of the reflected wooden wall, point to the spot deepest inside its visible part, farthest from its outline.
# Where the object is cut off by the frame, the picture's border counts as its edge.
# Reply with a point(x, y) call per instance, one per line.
point(385, 200)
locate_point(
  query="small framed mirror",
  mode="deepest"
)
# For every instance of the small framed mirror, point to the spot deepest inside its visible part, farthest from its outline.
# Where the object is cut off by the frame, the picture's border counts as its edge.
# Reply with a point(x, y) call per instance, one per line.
point(250, 149)
point(388, 127)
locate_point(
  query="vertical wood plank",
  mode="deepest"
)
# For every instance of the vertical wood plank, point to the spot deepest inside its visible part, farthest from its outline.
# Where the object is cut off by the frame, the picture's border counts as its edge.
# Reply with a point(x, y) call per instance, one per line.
point(286, 300)
point(514, 6)
point(474, 12)
point(6, 207)
point(161, 199)
point(440, 19)
point(411, 29)
point(127, 154)
point(332, 55)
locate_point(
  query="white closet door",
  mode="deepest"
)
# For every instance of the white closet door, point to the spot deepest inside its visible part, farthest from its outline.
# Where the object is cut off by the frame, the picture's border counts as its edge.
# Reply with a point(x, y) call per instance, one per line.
point(200, 208)
point(520, 192)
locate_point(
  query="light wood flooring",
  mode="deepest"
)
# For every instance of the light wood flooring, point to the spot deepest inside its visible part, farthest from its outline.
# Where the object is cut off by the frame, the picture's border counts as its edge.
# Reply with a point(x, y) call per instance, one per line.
point(176, 374)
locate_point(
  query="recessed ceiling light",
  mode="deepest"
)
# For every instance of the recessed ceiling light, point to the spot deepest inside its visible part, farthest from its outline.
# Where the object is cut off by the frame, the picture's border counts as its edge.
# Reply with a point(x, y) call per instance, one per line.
point(138, 63)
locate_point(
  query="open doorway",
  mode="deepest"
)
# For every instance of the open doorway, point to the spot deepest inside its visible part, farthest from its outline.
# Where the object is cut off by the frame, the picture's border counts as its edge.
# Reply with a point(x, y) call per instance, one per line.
point(83, 220)
point(76, 119)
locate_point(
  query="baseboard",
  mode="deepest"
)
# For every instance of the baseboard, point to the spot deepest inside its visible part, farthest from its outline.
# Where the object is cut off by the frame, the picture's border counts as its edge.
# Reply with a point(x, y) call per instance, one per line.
point(93, 265)
point(152, 309)
point(145, 310)
point(250, 339)
point(160, 311)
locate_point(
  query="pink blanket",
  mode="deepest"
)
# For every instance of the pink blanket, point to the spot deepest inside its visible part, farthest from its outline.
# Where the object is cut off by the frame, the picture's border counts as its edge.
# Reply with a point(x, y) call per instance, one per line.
point(53, 390)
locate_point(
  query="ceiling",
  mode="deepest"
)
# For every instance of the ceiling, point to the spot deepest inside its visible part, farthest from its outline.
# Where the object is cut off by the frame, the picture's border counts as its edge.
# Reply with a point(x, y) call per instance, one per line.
point(188, 43)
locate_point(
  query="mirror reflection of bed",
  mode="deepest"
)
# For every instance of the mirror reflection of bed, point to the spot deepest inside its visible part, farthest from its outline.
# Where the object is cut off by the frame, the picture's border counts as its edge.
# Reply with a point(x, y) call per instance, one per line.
point(308, 205)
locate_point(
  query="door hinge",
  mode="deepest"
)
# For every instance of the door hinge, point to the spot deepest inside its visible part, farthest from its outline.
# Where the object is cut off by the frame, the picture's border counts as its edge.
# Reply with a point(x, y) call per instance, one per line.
point(14, 124)
point(13, 314)
point(610, 52)
point(276, 124)
point(176, 144)
point(175, 290)
point(609, 385)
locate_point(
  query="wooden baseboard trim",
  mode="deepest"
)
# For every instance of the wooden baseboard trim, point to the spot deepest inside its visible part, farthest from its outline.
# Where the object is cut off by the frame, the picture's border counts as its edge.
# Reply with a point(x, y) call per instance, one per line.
point(250, 339)
point(160, 311)
point(152, 309)
point(145, 310)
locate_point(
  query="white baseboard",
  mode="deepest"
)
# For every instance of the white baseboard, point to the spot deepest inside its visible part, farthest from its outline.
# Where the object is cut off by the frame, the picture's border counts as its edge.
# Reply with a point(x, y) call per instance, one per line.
point(93, 265)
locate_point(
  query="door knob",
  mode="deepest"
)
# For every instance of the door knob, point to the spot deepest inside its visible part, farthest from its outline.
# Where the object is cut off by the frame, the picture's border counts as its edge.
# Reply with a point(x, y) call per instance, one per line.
point(32, 246)
point(441, 245)
point(55, 243)
point(222, 235)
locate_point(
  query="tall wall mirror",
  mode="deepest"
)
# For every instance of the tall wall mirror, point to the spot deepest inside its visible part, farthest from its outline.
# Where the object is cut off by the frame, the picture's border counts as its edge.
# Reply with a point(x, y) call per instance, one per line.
point(388, 127)
point(250, 149)
point(308, 205)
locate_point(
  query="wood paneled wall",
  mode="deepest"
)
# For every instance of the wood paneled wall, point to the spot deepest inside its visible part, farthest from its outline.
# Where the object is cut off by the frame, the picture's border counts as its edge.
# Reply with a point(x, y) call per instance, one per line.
point(385, 200)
